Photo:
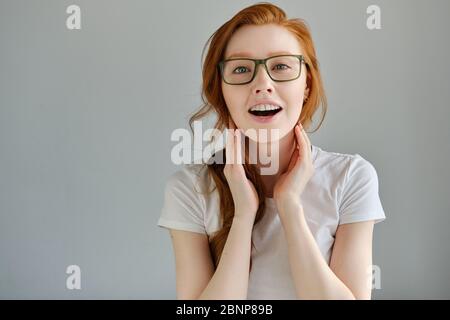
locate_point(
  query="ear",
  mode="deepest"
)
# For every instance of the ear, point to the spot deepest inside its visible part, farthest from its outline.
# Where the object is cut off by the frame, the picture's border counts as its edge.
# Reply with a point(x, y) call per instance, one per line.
point(306, 94)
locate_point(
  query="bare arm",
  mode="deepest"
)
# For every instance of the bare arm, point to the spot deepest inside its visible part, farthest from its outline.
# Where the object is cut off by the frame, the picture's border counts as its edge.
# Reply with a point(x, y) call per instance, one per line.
point(346, 277)
point(195, 275)
point(196, 278)
point(230, 281)
point(353, 243)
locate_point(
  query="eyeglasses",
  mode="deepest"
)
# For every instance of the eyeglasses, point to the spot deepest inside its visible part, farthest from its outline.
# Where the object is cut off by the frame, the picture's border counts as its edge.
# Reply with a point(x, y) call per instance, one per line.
point(279, 68)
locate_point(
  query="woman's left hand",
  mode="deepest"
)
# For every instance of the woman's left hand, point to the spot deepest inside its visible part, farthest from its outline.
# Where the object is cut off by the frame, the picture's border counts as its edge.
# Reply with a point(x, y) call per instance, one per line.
point(291, 184)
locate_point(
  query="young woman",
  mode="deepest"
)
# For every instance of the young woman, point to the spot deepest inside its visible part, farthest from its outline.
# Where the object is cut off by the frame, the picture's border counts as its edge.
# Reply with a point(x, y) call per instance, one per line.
point(303, 232)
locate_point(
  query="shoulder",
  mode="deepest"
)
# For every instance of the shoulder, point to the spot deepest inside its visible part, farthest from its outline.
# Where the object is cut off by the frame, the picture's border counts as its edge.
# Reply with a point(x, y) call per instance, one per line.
point(327, 158)
point(190, 175)
point(345, 163)
point(191, 190)
point(343, 170)
point(190, 183)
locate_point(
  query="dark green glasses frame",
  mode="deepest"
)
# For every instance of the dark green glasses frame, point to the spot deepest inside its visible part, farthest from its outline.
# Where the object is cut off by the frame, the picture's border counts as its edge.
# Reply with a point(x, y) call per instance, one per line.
point(263, 62)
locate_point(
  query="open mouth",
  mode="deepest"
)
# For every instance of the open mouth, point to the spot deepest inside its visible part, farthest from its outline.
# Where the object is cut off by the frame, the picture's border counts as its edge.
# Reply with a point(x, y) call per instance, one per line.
point(265, 110)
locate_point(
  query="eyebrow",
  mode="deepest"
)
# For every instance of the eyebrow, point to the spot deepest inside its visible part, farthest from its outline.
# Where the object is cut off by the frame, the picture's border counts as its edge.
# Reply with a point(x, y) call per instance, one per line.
point(248, 55)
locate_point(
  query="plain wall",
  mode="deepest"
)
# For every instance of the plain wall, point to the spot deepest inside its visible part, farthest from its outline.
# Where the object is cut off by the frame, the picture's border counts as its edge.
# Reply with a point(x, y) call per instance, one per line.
point(86, 117)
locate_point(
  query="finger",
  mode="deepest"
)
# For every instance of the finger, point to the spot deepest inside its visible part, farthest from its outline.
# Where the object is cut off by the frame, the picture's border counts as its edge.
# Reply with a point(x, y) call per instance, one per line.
point(293, 160)
point(306, 139)
point(238, 147)
point(229, 149)
point(299, 138)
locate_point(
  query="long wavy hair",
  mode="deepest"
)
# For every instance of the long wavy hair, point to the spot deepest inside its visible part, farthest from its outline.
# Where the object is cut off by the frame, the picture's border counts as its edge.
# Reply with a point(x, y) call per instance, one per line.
point(213, 102)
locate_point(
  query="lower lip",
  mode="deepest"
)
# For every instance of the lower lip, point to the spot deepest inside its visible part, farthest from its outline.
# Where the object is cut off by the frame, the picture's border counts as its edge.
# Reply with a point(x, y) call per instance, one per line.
point(265, 119)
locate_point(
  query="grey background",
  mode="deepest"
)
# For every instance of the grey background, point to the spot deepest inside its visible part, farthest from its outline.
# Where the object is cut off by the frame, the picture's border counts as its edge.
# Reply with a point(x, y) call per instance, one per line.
point(86, 117)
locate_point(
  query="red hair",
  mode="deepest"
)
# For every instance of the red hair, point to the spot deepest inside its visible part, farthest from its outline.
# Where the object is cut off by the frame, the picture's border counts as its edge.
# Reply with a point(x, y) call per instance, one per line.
point(213, 101)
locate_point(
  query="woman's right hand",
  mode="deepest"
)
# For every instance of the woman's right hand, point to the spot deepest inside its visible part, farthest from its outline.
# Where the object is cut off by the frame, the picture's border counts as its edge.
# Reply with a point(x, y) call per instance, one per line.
point(244, 194)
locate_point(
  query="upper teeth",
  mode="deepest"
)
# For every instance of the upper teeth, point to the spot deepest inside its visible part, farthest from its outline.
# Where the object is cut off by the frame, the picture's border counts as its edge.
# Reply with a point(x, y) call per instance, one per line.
point(264, 107)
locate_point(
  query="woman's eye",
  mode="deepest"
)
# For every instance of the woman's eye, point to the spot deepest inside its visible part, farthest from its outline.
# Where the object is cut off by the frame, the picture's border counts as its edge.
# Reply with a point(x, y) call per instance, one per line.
point(240, 70)
point(283, 66)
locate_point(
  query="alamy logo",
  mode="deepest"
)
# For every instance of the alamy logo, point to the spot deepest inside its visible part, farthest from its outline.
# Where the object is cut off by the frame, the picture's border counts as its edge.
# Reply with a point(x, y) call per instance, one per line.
point(374, 20)
point(74, 20)
point(190, 149)
point(73, 281)
point(374, 277)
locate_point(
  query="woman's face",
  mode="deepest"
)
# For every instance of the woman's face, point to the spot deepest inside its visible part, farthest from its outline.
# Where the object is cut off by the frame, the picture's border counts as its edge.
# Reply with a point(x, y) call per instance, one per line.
point(260, 42)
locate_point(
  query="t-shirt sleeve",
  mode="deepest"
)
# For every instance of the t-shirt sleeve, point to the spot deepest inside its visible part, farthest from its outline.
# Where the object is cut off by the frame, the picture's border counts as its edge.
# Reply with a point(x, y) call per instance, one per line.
point(360, 199)
point(183, 206)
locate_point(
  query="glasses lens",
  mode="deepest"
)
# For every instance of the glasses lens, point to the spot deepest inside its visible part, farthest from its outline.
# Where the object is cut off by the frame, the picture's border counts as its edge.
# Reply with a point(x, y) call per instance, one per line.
point(284, 68)
point(238, 71)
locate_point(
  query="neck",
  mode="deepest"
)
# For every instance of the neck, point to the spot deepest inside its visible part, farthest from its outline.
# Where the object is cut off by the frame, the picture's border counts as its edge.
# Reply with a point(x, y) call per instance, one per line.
point(280, 151)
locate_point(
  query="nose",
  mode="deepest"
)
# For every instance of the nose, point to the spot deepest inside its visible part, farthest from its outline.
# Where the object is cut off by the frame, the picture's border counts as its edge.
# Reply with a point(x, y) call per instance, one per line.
point(262, 82)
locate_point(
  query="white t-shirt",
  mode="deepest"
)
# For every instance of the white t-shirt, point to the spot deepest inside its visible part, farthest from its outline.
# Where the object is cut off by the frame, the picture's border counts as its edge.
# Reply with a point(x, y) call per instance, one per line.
point(343, 189)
